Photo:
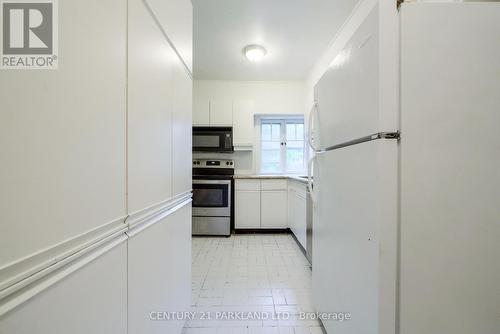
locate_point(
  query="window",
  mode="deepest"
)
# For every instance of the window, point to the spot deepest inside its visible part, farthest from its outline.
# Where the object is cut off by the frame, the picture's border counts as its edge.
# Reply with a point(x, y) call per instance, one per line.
point(282, 146)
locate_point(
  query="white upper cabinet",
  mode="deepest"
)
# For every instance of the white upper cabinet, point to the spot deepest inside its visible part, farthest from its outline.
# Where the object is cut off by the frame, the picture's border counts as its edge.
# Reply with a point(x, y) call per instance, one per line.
point(243, 123)
point(201, 112)
point(214, 112)
point(225, 112)
point(221, 112)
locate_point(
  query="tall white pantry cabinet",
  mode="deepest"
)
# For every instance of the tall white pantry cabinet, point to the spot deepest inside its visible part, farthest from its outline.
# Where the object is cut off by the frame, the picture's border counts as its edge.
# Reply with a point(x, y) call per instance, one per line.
point(95, 228)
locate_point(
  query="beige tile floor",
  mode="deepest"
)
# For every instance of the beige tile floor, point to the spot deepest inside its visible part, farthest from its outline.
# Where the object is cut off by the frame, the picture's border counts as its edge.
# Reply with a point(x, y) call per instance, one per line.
point(263, 279)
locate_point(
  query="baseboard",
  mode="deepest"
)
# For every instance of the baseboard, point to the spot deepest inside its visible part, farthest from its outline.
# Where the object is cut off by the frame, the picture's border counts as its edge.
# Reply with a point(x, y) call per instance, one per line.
point(262, 231)
point(303, 250)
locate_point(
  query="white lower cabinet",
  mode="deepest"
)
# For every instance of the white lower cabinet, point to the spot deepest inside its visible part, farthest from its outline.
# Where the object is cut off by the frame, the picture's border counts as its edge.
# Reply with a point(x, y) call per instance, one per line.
point(93, 299)
point(247, 209)
point(297, 211)
point(261, 204)
point(159, 274)
point(273, 211)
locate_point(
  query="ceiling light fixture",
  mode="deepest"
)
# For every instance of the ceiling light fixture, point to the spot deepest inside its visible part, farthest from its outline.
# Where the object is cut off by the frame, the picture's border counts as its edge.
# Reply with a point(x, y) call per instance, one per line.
point(255, 53)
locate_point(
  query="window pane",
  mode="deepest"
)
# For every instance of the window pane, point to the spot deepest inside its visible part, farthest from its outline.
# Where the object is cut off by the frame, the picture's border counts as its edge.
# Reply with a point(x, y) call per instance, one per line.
point(295, 144)
point(294, 159)
point(300, 132)
point(290, 132)
point(276, 132)
point(266, 131)
point(277, 158)
point(271, 156)
point(271, 168)
point(271, 145)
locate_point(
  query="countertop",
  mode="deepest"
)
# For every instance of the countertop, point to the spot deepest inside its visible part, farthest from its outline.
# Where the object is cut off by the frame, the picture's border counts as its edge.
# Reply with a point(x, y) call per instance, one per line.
point(272, 177)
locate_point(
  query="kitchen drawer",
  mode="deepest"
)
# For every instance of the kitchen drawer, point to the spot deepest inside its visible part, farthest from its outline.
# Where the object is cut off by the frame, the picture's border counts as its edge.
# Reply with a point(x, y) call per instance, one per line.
point(246, 184)
point(280, 184)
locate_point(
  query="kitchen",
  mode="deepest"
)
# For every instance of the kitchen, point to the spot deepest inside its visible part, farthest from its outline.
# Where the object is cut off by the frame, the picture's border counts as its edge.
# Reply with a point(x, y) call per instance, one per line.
point(256, 167)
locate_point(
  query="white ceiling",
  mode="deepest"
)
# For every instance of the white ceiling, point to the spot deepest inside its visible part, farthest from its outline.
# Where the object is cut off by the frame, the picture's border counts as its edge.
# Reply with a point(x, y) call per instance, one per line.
point(294, 32)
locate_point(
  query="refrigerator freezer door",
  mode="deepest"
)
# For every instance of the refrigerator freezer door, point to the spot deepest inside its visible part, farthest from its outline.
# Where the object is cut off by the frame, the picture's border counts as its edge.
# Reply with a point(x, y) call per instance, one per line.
point(354, 260)
point(348, 93)
point(450, 212)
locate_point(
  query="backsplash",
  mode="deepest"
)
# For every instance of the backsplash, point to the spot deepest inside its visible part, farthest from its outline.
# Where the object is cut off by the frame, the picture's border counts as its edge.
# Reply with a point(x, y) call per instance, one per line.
point(243, 160)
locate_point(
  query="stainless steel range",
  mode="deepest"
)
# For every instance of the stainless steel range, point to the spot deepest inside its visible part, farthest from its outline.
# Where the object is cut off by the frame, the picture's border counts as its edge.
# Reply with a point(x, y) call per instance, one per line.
point(212, 196)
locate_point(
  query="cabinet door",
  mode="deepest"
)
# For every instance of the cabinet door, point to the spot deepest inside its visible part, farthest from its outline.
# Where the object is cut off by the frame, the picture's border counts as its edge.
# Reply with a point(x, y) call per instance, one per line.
point(176, 17)
point(300, 217)
point(243, 123)
point(165, 286)
point(221, 112)
point(247, 210)
point(292, 220)
point(46, 139)
point(150, 99)
point(201, 112)
point(181, 130)
point(274, 209)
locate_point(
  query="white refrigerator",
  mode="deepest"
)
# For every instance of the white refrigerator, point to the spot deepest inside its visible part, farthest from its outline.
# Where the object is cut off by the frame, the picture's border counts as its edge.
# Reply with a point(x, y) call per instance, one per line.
point(406, 234)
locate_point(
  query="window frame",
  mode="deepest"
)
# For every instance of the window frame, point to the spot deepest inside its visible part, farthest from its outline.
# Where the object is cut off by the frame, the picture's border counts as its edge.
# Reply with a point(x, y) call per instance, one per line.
point(283, 121)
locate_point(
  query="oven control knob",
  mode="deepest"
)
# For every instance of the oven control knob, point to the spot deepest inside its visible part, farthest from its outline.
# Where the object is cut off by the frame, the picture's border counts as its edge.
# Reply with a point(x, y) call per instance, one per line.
point(194, 162)
point(227, 163)
point(231, 163)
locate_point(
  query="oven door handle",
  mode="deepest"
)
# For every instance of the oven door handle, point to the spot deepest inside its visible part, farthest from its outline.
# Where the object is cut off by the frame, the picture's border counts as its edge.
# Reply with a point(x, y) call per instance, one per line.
point(228, 182)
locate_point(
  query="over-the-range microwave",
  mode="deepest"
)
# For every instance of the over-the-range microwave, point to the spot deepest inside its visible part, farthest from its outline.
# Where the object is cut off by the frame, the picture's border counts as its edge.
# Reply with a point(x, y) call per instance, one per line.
point(212, 139)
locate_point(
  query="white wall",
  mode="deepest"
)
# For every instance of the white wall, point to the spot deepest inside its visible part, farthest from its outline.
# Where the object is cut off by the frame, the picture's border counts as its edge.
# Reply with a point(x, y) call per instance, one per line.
point(271, 97)
point(88, 165)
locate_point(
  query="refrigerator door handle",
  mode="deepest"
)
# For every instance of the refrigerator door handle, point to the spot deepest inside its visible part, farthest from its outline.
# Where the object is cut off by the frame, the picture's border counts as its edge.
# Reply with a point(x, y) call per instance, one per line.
point(310, 167)
point(375, 136)
point(310, 132)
